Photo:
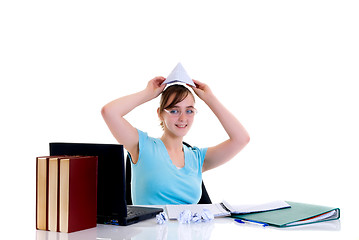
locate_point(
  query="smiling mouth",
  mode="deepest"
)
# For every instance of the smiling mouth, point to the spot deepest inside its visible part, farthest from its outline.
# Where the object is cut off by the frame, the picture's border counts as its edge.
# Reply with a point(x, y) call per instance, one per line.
point(181, 125)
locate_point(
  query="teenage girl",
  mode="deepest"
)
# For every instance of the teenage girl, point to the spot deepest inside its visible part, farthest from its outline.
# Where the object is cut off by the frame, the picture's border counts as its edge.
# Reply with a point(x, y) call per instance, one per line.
point(164, 170)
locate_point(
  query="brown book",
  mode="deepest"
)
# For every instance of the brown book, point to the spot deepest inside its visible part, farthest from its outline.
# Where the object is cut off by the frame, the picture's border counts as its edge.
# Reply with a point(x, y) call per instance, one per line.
point(41, 192)
point(52, 195)
point(77, 193)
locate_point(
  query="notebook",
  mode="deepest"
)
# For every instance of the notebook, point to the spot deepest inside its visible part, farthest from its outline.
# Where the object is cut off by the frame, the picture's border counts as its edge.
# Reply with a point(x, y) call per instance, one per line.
point(297, 214)
point(111, 187)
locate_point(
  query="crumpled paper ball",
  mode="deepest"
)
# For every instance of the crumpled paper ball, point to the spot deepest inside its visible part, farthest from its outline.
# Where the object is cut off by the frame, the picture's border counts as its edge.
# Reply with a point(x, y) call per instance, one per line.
point(196, 218)
point(186, 216)
point(161, 218)
point(207, 215)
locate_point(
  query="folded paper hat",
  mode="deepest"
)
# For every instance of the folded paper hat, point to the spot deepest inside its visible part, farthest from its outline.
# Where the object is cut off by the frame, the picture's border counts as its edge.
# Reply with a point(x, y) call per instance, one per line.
point(179, 74)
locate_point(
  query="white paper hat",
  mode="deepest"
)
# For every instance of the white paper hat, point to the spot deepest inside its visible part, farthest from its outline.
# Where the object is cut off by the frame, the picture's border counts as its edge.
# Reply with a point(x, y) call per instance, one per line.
point(178, 74)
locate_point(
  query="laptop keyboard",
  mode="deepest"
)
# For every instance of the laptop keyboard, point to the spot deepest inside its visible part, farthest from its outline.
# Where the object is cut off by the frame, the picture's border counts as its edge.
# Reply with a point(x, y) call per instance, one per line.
point(135, 214)
point(134, 211)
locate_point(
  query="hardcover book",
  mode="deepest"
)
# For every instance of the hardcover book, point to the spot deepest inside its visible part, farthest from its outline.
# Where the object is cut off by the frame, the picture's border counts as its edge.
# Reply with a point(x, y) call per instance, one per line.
point(66, 193)
point(77, 193)
point(52, 194)
point(41, 192)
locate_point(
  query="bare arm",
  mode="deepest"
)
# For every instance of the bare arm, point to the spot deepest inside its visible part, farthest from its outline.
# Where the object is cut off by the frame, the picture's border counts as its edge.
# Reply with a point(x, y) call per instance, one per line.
point(114, 112)
point(238, 136)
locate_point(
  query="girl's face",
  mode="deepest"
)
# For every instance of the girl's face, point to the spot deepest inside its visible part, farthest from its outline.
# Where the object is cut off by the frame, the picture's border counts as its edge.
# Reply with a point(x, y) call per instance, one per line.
point(178, 120)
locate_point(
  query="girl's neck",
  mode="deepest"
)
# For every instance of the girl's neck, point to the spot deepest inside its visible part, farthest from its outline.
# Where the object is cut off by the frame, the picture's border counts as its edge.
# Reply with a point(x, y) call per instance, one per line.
point(172, 143)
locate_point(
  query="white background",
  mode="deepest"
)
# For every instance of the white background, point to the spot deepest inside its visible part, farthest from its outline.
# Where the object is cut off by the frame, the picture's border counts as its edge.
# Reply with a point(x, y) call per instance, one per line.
point(288, 70)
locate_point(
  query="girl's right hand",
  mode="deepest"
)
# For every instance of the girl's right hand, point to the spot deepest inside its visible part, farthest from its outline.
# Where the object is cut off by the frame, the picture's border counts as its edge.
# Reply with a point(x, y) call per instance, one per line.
point(154, 87)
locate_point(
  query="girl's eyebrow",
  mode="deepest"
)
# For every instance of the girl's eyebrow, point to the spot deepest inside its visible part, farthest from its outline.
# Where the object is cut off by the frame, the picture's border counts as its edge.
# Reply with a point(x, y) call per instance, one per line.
point(175, 106)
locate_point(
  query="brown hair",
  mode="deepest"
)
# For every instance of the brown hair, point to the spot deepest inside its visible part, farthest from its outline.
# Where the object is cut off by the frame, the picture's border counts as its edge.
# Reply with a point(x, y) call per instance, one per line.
point(179, 92)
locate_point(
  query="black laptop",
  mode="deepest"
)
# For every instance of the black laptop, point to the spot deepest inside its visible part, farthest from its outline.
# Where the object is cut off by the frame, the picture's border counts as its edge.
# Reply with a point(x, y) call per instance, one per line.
point(111, 187)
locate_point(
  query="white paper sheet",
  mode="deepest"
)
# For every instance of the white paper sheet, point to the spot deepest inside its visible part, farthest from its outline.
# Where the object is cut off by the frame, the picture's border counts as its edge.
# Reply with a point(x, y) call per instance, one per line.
point(179, 74)
point(252, 208)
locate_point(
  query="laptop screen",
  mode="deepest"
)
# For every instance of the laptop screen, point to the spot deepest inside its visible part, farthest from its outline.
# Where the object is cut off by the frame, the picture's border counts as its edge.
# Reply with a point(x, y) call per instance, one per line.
point(111, 190)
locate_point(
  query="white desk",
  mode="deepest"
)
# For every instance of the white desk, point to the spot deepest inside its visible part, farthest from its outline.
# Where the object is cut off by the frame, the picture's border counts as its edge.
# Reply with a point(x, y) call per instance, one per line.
point(220, 228)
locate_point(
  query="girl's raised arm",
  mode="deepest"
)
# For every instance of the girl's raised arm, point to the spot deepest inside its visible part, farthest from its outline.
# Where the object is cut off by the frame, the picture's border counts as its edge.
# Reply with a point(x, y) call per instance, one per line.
point(114, 112)
point(238, 136)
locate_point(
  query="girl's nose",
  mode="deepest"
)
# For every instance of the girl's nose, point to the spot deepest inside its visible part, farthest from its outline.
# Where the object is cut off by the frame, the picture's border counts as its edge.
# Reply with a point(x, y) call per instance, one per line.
point(182, 117)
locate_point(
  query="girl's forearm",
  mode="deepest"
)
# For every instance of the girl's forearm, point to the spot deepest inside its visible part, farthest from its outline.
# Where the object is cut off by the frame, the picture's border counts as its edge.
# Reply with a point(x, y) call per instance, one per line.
point(126, 104)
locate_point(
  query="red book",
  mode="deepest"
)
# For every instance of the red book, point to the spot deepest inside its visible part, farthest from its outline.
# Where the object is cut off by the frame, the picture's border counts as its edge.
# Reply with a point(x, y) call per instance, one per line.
point(77, 193)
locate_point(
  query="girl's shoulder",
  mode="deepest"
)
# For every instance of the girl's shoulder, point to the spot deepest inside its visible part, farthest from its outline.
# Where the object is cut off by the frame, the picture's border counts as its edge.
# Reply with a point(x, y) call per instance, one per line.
point(198, 152)
point(143, 137)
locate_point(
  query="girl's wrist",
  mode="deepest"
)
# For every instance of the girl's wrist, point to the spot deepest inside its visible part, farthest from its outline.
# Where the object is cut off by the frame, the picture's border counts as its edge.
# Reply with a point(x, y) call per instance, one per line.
point(208, 97)
point(146, 95)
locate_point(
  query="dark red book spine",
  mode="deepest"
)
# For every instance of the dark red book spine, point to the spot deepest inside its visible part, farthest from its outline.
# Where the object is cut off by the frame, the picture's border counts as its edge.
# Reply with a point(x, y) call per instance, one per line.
point(81, 207)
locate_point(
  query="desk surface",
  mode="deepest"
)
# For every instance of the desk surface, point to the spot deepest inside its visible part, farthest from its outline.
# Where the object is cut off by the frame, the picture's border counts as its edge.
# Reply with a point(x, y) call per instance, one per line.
point(220, 228)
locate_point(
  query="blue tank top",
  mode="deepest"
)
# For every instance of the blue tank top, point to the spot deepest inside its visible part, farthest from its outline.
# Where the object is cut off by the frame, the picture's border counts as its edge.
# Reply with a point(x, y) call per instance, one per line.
point(157, 181)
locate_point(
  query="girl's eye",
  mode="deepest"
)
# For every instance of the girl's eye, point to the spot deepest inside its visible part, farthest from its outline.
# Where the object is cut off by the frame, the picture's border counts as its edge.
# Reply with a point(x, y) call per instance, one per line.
point(174, 111)
point(190, 111)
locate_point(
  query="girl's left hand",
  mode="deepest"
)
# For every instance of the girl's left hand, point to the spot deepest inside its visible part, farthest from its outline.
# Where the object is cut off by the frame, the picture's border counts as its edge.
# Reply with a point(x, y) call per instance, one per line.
point(202, 90)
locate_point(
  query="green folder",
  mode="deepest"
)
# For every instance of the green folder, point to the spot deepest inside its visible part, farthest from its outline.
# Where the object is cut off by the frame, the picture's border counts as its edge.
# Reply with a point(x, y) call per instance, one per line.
point(297, 214)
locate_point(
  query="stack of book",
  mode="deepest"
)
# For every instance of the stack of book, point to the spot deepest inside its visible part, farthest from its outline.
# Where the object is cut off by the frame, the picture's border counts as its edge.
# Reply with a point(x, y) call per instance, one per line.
point(66, 193)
